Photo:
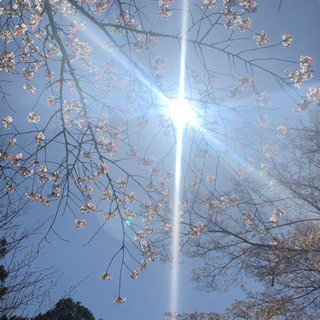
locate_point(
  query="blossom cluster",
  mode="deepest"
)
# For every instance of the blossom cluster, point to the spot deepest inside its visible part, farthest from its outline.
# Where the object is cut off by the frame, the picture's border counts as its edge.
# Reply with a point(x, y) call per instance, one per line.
point(32, 117)
point(151, 185)
point(147, 161)
point(15, 159)
point(77, 25)
point(149, 209)
point(106, 195)
point(129, 214)
point(90, 207)
point(287, 40)
point(148, 253)
point(51, 102)
point(262, 99)
point(234, 18)
point(249, 219)
point(121, 183)
point(11, 143)
point(7, 61)
point(25, 172)
point(211, 179)
point(195, 231)
point(135, 274)
point(80, 51)
point(149, 229)
point(5, 36)
point(109, 215)
point(36, 197)
point(6, 121)
point(87, 190)
point(70, 107)
point(107, 73)
point(240, 85)
point(268, 151)
point(29, 89)
point(144, 42)
point(119, 300)
point(131, 197)
point(164, 8)
point(55, 195)
point(63, 6)
point(282, 130)
point(80, 223)
point(108, 145)
point(312, 97)
point(276, 216)
point(106, 276)
point(247, 5)
point(27, 73)
point(125, 19)
point(42, 174)
point(9, 188)
point(211, 4)
point(299, 76)
point(17, 9)
point(140, 235)
point(100, 6)
point(88, 179)
point(262, 121)
point(214, 205)
point(261, 37)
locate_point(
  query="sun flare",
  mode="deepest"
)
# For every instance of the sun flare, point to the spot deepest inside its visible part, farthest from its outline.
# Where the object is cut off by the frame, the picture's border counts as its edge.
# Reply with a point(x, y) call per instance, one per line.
point(181, 112)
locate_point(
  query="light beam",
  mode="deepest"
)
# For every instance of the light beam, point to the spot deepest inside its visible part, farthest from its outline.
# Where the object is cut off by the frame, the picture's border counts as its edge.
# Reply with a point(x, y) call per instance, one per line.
point(181, 114)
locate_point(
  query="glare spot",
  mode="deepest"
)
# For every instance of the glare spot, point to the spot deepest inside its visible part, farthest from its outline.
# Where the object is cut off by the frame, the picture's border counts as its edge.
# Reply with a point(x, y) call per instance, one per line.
point(181, 112)
point(128, 222)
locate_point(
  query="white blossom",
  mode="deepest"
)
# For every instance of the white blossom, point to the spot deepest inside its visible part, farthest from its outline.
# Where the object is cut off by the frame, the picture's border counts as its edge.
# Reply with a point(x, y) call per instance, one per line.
point(119, 300)
point(129, 214)
point(140, 235)
point(80, 223)
point(9, 188)
point(6, 121)
point(287, 40)
point(262, 37)
point(7, 62)
point(211, 4)
point(304, 74)
point(106, 276)
point(19, 30)
point(39, 138)
point(121, 183)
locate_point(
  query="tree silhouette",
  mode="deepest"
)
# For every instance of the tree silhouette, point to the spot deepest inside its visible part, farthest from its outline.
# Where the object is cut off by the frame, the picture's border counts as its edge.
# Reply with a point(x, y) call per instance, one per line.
point(22, 284)
point(66, 309)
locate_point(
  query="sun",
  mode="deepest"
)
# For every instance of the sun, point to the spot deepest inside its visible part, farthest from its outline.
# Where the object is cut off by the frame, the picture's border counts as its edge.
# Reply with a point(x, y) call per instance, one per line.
point(181, 112)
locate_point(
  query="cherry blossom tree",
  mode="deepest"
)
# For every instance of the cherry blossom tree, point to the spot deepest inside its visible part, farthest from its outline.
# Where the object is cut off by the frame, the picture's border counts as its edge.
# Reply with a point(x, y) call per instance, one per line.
point(97, 138)
point(249, 310)
point(269, 231)
point(22, 284)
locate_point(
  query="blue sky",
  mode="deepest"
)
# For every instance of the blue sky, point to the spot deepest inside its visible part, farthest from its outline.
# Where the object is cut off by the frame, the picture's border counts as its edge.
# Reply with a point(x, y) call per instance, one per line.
point(148, 297)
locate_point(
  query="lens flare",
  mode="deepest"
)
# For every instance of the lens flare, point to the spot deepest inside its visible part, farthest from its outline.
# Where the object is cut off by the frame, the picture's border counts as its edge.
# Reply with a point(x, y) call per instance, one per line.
point(181, 114)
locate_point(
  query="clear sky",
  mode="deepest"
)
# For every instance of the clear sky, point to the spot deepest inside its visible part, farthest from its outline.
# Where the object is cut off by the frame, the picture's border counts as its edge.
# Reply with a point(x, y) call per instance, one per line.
point(148, 297)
